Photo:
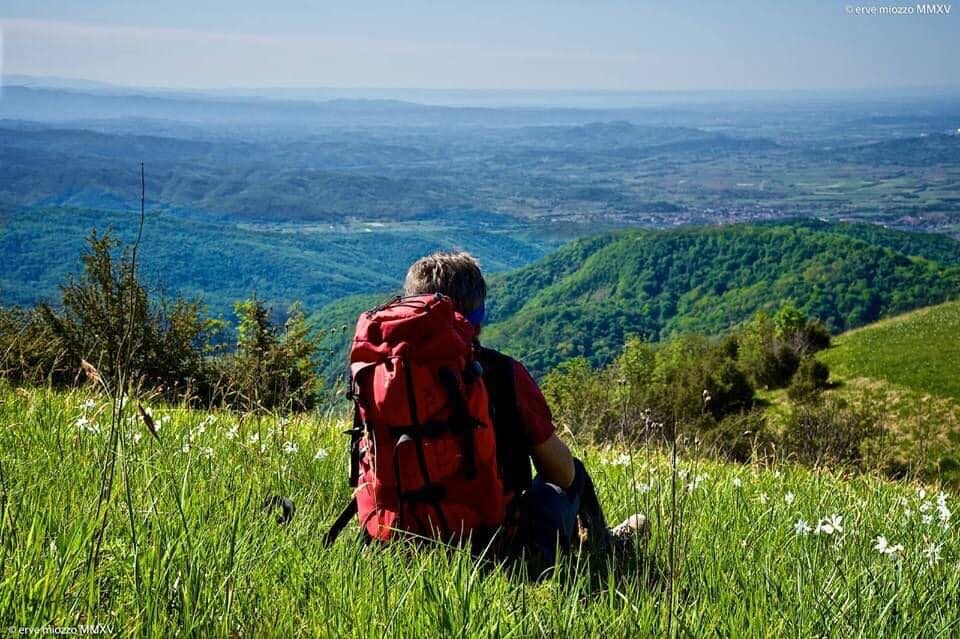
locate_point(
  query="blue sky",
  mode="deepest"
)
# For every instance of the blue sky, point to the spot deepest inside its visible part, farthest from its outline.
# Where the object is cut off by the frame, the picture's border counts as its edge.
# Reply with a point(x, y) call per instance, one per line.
point(567, 44)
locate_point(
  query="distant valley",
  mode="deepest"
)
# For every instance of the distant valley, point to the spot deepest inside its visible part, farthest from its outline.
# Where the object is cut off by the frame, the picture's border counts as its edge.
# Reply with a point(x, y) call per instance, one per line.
point(319, 198)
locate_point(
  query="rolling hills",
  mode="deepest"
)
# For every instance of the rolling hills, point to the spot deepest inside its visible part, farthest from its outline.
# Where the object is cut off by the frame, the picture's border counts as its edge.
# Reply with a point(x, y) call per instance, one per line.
point(657, 283)
point(588, 296)
point(225, 262)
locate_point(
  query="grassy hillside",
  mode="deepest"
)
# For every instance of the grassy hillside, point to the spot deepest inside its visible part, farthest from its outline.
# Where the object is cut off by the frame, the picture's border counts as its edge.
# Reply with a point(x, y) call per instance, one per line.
point(588, 297)
point(919, 351)
point(186, 551)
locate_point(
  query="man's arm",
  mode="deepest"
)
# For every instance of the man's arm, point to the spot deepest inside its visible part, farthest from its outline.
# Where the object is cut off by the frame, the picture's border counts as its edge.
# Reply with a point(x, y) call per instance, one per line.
point(554, 462)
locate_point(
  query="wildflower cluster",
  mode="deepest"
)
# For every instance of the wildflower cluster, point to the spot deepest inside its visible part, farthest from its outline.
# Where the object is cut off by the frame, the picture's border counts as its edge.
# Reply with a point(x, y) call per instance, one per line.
point(86, 422)
point(894, 551)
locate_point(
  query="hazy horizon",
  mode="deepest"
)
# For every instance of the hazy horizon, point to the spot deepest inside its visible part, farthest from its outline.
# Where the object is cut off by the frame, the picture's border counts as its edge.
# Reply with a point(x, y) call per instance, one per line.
point(479, 97)
point(544, 46)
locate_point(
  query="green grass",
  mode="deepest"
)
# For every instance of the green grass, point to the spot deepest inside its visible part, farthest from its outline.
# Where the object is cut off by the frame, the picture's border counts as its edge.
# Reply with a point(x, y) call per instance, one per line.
point(186, 552)
point(919, 351)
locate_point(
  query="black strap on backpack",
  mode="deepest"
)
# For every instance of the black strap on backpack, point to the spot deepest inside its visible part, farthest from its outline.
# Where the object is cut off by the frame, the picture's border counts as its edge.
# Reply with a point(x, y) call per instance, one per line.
point(356, 434)
point(513, 455)
point(341, 522)
point(460, 420)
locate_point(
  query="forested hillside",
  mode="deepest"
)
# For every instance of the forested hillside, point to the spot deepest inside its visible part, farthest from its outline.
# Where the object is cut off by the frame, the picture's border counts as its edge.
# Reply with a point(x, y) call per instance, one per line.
point(225, 262)
point(588, 296)
point(657, 283)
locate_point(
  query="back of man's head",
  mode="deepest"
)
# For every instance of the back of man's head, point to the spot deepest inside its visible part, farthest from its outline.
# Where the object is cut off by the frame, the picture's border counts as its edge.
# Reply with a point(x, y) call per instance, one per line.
point(456, 275)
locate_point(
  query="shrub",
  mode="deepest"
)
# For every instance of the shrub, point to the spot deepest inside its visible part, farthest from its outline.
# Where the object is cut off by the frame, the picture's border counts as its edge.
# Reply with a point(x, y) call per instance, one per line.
point(809, 381)
point(833, 431)
point(272, 367)
point(580, 399)
point(763, 357)
point(107, 317)
point(29, 352)
point(770, 349)
point(741, 437)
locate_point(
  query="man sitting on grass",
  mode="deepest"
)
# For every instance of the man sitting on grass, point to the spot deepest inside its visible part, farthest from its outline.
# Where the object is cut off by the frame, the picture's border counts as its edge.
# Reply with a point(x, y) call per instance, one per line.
point(558, 507)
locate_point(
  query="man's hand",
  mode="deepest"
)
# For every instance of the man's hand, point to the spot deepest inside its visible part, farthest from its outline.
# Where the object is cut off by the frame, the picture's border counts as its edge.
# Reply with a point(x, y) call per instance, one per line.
point(554, 462)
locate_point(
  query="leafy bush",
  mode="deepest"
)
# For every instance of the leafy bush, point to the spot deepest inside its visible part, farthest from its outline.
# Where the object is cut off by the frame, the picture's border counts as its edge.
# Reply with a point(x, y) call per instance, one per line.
point(690, 381)
point(770, 349)
point(270, 368)
point(106, 318)
point(833, 431)
point(171, 347)
point(809, 381)
point(768, 361)
point(29, 352)
point(580, 398)
point(741, 437)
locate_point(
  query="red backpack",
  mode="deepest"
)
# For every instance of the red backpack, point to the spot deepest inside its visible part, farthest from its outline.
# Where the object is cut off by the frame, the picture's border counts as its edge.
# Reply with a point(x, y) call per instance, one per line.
point(424, 449)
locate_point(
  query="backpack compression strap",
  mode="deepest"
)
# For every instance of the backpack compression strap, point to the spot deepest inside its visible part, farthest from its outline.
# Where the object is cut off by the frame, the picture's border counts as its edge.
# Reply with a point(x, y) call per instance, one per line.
point(341, 522)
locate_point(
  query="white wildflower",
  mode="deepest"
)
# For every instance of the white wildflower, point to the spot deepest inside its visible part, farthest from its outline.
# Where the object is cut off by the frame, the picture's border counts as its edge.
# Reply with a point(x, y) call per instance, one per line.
point(622, 460)
point(196, 432)
point(802, 527)
point(763, 498)
point(234, 432)
point(87, 425)
point(737, 483)
point(321, 454)
point(695, 483)
point(89, 405)
point(789, 498)
point(880, 544)
point(932, 553)
point(921, 493)
point(943, 512)
point(926, 519)
point(645, 487)
point(137, 437)
point(830, 525)
point(290, 447)
point(207, 452)
point(185, 448)
point(253, 439)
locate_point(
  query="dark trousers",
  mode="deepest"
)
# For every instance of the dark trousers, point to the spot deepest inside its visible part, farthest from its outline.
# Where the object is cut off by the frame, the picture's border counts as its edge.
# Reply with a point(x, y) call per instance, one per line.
point(548, 518)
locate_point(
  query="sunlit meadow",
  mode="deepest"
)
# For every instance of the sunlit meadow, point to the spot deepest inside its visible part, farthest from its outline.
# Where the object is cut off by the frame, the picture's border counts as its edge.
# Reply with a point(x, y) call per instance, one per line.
point(173, 541)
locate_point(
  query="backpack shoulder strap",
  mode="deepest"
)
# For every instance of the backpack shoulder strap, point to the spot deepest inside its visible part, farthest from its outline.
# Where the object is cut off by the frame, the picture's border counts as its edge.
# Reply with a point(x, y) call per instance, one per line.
point(513, 455)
